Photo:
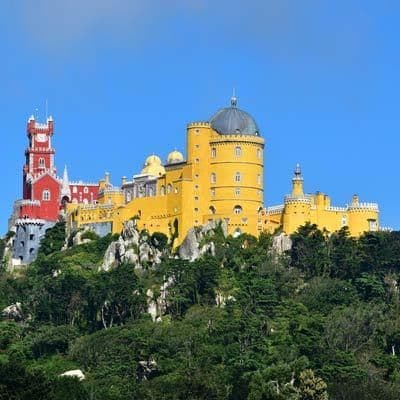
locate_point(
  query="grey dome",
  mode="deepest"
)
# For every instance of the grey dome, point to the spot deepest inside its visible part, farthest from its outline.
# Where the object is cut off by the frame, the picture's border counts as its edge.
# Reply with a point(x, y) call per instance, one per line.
point(234, 121)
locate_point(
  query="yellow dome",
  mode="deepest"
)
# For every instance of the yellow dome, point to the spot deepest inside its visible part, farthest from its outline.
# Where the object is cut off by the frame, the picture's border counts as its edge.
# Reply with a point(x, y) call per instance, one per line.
point(153, 159)
point(153, 166)
point(175, 157)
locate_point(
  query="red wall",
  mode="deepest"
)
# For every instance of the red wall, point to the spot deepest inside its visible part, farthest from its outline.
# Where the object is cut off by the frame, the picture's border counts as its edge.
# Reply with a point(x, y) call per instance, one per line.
point(48, 208)
point(80, 195)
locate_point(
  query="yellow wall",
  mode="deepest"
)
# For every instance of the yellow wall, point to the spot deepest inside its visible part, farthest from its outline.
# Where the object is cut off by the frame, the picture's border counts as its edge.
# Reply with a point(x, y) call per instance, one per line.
point(194, 194)
point(205, 187)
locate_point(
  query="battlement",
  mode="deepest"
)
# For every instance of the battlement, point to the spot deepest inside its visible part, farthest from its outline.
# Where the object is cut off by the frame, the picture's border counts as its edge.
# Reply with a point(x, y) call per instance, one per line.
point(338, 209)
point(200, 124)
point(25, 202)
point(39, 127)
point(289, 199)
point(29, 221)
point(273, 210)
point(81, 183)
point(364, 207)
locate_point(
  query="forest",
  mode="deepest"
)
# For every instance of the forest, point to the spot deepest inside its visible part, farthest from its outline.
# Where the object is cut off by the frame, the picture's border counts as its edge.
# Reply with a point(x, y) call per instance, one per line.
point(319, 321)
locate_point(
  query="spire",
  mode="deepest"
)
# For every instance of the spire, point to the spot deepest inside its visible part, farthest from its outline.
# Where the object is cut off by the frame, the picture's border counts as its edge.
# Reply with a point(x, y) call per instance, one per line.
point(65, 189)
point(297, 182)
point(297, 172)
point(233, 99)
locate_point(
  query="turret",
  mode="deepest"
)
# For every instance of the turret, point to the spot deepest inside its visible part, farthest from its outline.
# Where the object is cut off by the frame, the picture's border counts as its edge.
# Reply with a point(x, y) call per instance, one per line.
point(297, 181)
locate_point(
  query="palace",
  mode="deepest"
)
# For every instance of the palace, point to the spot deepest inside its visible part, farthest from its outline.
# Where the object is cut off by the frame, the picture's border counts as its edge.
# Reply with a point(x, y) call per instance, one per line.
point(221, 178)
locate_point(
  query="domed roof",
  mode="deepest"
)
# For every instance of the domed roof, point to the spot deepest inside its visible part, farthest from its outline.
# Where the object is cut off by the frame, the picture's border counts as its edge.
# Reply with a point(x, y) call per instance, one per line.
point(175, 157)
point(234, 121)
point(153, 166)
point(153, 159)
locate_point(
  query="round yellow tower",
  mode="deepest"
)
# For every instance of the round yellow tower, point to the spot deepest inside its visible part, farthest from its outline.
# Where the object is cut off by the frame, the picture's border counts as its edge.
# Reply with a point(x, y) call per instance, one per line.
point(297, 205)
point(236, 169)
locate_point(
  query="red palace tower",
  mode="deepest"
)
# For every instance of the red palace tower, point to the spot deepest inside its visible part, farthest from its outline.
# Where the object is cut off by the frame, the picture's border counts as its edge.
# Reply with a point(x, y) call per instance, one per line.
point(44, 194)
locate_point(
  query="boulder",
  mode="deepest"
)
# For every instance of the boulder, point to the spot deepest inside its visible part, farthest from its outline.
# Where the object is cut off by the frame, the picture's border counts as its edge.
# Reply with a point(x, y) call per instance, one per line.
point(13, 311)
point(194, 245)
point(74, 373)
point(281, 243)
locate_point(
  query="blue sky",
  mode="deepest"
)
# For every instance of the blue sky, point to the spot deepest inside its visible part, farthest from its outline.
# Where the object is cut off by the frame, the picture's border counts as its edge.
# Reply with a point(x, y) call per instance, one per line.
point(124, 77)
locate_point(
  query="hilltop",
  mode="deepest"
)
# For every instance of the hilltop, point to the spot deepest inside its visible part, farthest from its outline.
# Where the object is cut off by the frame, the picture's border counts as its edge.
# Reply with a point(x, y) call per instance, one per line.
point(313, 316)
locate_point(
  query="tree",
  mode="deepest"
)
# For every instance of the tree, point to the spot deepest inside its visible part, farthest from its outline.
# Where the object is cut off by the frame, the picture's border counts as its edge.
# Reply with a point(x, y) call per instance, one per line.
point(309, 251)
point(312, 387)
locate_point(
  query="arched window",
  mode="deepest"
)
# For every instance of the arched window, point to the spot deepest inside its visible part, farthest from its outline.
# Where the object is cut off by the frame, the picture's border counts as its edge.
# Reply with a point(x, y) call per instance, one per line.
point(169, 188)
point(162, 190)
point(237, 191)
point(258, 179)
point(238, 151)
point(259, 154)
point(212, 192)
point(212, 210)
point(74, 189)
point(41, 163)
point(46, 195)
point(213, 152)
point(128, 197)
point(238, 177)
point(237, 209)
point(213, 178)
point(176, 189)
point(85, 189)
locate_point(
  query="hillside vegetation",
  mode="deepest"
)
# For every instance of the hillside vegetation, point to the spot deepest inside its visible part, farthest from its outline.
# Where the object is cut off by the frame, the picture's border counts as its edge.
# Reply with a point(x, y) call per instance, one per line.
point(320, 322)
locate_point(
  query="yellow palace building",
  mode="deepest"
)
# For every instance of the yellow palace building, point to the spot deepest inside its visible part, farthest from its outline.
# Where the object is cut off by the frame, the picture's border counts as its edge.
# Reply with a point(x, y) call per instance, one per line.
point(220, 179)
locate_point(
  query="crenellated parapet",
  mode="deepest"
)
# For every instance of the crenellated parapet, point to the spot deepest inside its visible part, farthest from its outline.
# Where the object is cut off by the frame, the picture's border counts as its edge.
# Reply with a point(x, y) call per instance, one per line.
point(359, 207)
point(35, 127)
point(198, 124)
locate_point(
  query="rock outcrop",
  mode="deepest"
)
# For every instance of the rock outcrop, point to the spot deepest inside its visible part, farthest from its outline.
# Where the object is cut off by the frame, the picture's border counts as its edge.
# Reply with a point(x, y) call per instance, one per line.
point(131, 247)
point(195, 244)
point(74, 373)
point(281, 243)
point(14, 312)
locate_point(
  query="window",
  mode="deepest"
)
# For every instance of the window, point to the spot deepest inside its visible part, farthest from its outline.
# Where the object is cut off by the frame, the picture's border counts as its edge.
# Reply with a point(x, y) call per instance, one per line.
point(41, 163)
point(237, 210)
point(213, 178)
point(197, 146)
point(46, 195)
point(162, 190)
point(31, 236)
point(213, 152)
point(197, 160)
point(212, 192)
point(197, 131)
point(259, 192)
point(196, 176)
point(258, 179)
point(176, 190)
point(238, 177)
point(238, 151)
point(196, 209)
point(237, 191)
point(344, 220)
point(196, 198)
point(196, 186)
point(85, 189)
point(259, 154)
point(169, 188)
point(85, 201)
point(128, 197)
point(74, 189)
point(212, 210)
point(372, 224)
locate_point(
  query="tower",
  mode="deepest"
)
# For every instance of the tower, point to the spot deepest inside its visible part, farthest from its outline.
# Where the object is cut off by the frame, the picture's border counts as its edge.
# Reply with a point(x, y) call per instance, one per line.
point(39, 208)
